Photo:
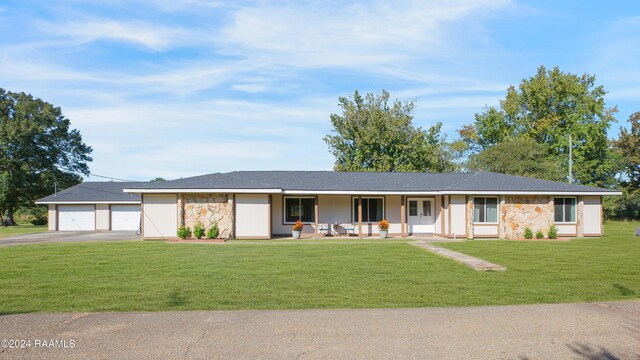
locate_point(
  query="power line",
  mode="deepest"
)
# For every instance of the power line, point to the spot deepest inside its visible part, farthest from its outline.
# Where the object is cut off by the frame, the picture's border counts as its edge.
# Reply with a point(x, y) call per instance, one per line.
point(111, 178)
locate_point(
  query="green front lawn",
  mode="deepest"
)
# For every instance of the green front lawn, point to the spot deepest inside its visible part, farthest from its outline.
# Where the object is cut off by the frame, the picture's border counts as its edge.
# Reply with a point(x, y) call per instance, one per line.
point(20, 229)
point(129, 276)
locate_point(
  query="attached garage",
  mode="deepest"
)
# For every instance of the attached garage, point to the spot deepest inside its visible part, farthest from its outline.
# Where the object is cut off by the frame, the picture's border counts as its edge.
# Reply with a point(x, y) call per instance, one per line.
point(93, 206)
point(76, 217)
point(125, 217)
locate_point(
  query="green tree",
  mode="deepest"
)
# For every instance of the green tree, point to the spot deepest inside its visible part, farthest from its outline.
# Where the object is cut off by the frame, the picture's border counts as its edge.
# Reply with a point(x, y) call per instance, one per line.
point(158, 179)
point(38, 151)
point(520, 156)
point(553, 108)
point(373, 135)
point(628, 147)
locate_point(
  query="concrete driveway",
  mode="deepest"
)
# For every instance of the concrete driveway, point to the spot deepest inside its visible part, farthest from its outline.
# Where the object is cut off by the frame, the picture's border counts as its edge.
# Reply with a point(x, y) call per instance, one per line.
point(68, 236)
point(563, 331)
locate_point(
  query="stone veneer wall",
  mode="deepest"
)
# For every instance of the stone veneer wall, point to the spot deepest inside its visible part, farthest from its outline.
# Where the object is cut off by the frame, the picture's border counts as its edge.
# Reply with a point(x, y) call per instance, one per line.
point(521, 211)
point(207, 209)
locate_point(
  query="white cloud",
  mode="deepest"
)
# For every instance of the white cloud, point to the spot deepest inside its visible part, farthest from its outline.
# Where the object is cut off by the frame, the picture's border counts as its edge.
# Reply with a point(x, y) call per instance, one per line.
point(253, 91)
point(151, 36)
point(144, 140)
point(336, 35)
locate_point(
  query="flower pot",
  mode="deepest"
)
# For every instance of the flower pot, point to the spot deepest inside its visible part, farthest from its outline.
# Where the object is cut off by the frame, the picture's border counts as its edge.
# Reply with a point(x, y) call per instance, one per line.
point(296, 234)
point(384, 234)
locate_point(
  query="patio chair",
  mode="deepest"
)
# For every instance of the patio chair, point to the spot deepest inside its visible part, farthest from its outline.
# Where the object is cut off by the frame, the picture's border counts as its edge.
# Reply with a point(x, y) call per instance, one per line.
point(322, 228)
point(348, 229)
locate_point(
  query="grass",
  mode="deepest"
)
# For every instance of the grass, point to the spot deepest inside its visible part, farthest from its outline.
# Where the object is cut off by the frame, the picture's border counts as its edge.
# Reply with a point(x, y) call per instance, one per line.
point(131, 276)
point(21, 229)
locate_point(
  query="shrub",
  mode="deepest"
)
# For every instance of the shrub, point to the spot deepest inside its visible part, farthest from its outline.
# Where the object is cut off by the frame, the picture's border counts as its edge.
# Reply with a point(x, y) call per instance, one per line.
point(35, 215)
point(213, 231)
point(553, 232)
point(39, 219)
point(383, 225)
point(539, 234)
point(198, 230)
point(528, 234)
point(298, 226)
point(184, 232)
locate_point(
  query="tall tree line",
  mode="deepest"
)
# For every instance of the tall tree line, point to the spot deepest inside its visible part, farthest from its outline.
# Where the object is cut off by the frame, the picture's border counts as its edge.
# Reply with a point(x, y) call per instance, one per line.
point(538, 125)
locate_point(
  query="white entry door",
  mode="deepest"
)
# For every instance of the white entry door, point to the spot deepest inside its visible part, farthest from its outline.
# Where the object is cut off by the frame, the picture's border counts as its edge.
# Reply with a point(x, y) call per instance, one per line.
point(421, 217)
point(125, 217)
point(76, 217)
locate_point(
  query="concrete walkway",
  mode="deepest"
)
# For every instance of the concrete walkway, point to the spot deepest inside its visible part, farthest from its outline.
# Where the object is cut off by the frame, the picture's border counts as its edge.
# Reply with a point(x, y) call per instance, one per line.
point(563, 331)
point(470, 261)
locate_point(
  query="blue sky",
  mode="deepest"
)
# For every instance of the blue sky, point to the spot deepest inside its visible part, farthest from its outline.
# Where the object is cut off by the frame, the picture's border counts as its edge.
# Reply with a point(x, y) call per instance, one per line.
point(178, 88)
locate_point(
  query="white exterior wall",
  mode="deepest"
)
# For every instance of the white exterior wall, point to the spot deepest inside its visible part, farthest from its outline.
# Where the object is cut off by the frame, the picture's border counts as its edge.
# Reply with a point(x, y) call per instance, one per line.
point(333, 209)
point(485, 230)
point(446, 213)
point(102, 217)
point(252, 216)
point(458, 213)
point(160, 214)
point(53, 217)
point(566, 229)
point(277, 218)
point(393, 214)
point(438, 212)
point(592, 213)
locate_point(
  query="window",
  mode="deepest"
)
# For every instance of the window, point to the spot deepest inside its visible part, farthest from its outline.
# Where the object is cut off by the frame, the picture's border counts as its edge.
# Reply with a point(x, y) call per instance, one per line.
point(413, 208)
point(485, 210)
point(426, 207)
point(565, 210)
point(372, 209)
point(302, 209)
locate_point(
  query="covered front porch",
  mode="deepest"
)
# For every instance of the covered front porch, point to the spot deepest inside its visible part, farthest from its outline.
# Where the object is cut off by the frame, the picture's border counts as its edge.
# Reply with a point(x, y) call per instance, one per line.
point(267, 216)
point(358, 215)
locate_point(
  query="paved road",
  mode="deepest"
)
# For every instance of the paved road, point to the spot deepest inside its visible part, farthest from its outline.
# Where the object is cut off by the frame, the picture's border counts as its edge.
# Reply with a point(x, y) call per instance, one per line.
point(68, 236)
point(565, 331)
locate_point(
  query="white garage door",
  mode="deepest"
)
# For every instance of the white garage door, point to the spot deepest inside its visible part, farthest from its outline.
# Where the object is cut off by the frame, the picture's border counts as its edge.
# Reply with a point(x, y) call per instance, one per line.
point(125, 217)
point(76, 217)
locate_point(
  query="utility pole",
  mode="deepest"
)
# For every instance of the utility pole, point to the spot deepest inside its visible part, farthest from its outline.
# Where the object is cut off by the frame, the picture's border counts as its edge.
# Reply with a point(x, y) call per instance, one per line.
point(570, 158)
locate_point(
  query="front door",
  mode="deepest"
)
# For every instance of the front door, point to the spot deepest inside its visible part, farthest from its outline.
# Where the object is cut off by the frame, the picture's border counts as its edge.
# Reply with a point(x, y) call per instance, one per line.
point(421, 218)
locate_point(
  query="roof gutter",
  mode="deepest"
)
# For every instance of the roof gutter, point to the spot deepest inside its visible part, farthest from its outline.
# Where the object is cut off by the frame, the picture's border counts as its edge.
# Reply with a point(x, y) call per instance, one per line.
point(572, 193)
point(174, 191)
point(358, 192)
point(59, 202)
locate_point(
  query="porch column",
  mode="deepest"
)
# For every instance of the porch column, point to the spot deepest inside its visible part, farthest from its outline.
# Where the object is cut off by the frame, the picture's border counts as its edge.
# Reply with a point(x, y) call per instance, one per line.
point(402, 216)
point(315, 209)
point(360, 216)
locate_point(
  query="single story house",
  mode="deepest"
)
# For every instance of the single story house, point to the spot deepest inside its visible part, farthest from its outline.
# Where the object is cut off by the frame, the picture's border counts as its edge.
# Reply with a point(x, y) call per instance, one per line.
point(264, 204)
point(94, 206)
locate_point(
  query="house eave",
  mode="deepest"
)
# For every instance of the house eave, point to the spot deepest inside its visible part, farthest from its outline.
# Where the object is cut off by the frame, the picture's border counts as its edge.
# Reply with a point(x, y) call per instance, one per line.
point(569, 193)
point(70, 202)
point(364, 192)
point(182, 190)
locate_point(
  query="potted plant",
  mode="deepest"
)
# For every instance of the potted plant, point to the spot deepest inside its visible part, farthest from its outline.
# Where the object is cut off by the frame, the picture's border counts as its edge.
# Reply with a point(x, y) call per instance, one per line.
point(296, 230)
point(383, 228)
